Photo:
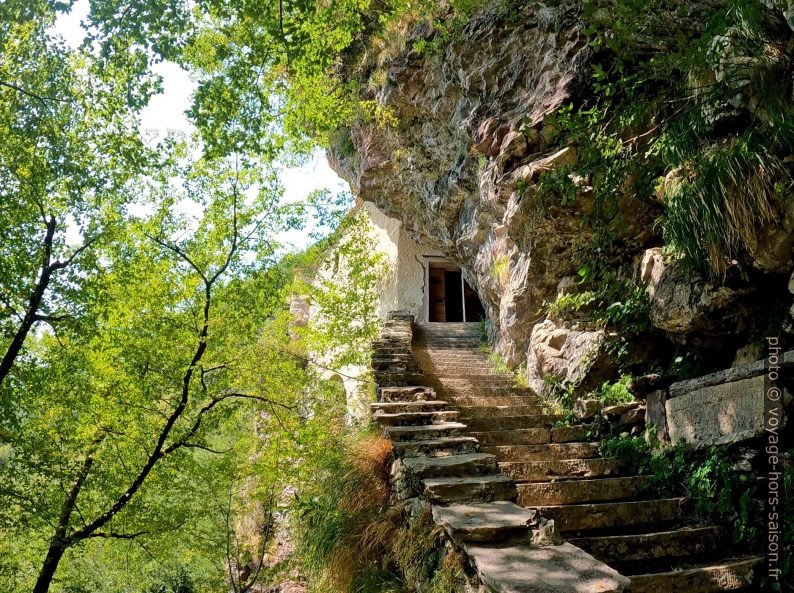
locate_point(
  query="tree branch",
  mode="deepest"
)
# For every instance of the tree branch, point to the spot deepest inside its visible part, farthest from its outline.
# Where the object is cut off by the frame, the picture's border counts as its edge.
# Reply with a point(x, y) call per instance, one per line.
point(112, 535)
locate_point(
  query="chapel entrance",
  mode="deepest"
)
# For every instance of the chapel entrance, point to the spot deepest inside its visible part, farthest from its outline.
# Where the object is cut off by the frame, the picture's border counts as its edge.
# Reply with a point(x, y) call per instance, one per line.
point(450, 298)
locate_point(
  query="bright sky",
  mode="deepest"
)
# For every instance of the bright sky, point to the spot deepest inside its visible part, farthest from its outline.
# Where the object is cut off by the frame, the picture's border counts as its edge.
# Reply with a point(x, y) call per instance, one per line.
point(167, 112)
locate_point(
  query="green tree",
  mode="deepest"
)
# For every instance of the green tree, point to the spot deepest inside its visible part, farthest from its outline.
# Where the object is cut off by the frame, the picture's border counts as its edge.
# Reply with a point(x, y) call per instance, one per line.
point(69, 150)
point(146, 377)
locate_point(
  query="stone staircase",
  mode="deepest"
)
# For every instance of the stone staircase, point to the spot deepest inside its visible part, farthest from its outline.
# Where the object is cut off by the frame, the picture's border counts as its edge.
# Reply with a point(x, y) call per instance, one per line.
point(438, 460)
point(556, 472)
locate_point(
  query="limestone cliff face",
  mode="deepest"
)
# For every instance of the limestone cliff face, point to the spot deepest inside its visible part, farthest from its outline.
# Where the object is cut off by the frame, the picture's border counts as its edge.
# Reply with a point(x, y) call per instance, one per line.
point(449, 169)
point(472, 134)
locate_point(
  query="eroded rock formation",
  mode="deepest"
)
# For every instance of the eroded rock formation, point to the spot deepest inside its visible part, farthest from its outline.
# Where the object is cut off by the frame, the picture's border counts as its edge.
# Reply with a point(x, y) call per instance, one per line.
point(460, 169)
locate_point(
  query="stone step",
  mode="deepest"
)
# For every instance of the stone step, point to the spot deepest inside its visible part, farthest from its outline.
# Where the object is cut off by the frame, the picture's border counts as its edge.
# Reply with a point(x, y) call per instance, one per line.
point(491, 381)
point(537, 471)
point(415, 418)
point(398, 379)
point(446, 354)
point(468, 464)
point(728, 575)
point(529, 436)
point(498, 411)
point(490, 390)
point(410, 406)
point(470, 489)
point(551, 569)
point(525, 436)
point(450, 342)
point(432, 431)
point(392, 366)
point(459, 370)
point(442, 447)
point(535, 494)
point(642, 546)
point(392, 356)
point(462, 399)
point(585, 517)
point(543, 452)
point(570, 434)
point(406, 393)
point(433, 326)
point(500, 521)
point(450, 356)
point(511, 422)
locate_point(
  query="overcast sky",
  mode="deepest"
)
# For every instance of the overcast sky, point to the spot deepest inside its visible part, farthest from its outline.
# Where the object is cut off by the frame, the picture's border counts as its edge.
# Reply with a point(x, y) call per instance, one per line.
point(167, 112)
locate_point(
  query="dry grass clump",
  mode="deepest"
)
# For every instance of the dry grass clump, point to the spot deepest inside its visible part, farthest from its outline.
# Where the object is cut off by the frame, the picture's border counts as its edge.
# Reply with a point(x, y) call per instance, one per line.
point(344, 523)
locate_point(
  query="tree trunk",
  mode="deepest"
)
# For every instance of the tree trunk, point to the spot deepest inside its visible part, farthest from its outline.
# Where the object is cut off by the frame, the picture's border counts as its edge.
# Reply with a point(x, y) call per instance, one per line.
point(54, 555)
point(27, 322)
point(34, 302)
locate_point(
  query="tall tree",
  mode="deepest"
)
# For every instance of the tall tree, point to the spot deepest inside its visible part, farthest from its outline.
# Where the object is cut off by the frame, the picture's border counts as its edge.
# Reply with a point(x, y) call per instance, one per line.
point(69, 147)
point(126, 395)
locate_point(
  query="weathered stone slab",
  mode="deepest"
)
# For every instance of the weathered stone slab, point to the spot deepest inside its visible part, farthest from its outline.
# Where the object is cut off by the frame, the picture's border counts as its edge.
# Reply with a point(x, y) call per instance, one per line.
point(554, 569)
point(470, 489)
point(707, 579)
point(554, 469)
point(718, 414)
point(602, 515)
point(658, 544)
point(618, 409)
point(656, 415)
point(453, 465)
point(491, 521)
point(542, 452)
point(568, 434)
point(579, 491)
point(746, 371)
point(442, 447)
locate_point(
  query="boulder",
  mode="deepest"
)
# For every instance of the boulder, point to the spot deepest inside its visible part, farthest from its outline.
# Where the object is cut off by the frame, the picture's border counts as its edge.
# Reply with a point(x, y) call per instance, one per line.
point(684, 304)
point(633, 417)
point(619, 409)
point(576, 357)
point(642, 386)
point(588, 408)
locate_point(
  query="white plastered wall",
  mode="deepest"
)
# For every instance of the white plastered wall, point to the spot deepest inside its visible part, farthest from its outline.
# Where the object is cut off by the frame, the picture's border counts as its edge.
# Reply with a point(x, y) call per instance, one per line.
point(403, 288)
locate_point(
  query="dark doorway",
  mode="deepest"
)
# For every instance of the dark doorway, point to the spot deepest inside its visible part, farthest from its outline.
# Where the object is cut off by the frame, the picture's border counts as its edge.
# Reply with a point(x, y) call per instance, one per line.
point(453, 294)
point(474, 310)
point(450, 298)
point(437, 295)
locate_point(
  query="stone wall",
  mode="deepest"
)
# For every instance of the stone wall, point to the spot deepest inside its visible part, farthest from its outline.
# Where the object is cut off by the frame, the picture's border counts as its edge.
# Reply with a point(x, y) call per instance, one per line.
point(720, 408)
point(402, 288)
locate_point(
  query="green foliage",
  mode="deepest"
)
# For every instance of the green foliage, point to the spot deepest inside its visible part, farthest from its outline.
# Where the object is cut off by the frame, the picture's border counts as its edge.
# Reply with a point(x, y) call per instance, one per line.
point(610, 393)
point(344, 288)
point(701, 100)
point(70, 149)
point(720, 489)
point(611, 301)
